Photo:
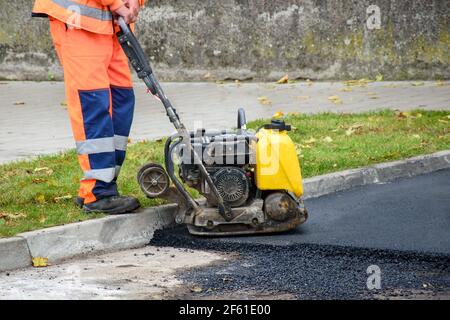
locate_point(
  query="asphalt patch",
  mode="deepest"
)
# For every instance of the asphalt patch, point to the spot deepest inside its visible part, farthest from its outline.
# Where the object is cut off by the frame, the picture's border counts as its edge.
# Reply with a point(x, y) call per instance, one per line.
point(411, 214)
point(311, 271)
point(400, 229)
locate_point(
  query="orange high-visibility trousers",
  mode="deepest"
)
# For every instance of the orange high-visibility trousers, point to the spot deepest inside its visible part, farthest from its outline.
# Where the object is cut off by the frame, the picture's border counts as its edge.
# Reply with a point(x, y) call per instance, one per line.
point(100, 101)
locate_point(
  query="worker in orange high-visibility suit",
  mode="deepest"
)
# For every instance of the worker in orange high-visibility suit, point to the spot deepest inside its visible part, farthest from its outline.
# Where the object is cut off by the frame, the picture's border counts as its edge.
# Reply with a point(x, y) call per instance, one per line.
point(99, 92)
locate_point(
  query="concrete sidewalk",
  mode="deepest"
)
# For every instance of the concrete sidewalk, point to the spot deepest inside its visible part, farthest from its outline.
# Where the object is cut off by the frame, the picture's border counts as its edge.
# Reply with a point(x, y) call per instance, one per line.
point(34, 122)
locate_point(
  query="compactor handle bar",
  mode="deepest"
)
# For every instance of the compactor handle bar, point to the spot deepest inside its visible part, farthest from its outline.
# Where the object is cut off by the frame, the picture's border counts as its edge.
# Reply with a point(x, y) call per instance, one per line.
point(136, 55)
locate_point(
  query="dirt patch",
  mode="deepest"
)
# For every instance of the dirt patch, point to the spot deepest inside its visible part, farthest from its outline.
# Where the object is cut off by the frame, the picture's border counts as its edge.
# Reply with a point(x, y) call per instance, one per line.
point(147, 273)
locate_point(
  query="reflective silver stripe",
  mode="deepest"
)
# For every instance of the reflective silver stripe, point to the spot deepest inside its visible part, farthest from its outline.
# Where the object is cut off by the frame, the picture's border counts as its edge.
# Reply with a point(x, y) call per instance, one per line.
point(118, 168)
point(121, 143)
point(105, 175)
point(86, 11)
point(95, 146)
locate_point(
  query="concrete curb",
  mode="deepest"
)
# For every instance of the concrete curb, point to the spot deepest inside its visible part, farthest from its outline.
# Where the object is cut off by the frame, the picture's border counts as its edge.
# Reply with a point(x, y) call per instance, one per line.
point(14, 254)
point(94, 236)
point(380, 173)
point(136, 230)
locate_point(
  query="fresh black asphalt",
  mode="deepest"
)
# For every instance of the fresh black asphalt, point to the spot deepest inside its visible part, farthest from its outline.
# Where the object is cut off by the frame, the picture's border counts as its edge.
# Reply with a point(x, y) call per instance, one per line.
point(411, 214)
point(402, 227)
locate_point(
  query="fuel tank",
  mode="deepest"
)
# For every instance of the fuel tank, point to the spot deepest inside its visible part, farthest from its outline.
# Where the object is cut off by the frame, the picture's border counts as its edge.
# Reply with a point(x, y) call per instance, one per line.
point(277, 164)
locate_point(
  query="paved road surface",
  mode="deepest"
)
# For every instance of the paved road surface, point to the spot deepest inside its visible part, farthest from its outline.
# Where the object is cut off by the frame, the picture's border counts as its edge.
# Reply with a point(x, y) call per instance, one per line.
point(41, 125)
point(327, 258)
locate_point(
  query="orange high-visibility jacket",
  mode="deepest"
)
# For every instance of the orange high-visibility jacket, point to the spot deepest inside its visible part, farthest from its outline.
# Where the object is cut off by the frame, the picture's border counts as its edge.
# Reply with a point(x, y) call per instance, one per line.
point(91, 15)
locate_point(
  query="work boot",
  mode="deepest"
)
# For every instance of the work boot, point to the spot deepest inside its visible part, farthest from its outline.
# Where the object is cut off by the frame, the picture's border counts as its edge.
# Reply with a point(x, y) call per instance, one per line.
point(113, 205)
point(79, 202)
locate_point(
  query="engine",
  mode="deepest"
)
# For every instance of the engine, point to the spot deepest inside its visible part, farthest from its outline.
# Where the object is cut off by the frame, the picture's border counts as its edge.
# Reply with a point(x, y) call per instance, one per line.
point(229, 158)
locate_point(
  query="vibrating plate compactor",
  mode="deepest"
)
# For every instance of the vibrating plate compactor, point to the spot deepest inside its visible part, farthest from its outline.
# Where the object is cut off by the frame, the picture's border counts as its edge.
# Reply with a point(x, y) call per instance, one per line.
point(251, 181)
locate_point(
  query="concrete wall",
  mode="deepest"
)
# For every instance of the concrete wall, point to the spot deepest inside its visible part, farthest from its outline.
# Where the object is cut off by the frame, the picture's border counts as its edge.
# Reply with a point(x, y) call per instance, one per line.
point(260, 39)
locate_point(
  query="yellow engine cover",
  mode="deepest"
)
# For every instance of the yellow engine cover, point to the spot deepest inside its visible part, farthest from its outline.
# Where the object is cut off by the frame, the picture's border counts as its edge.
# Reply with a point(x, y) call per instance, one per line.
point(277, 165)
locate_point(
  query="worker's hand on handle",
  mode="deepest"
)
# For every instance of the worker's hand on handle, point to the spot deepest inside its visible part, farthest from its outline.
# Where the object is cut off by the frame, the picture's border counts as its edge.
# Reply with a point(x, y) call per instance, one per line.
point(134, 6)
point(129, 11)
point(123, 12)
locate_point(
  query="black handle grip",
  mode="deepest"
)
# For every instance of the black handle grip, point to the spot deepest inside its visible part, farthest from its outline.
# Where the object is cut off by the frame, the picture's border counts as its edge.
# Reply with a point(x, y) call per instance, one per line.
point(133, 50)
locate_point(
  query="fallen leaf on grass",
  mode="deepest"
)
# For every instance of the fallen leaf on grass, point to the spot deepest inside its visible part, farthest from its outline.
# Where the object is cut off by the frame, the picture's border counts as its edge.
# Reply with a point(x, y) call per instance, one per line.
point(350, 131)
point(335, 99)
point(416, 136)
point(40, 199)
point(66, 197)
point(402, 115)
point(328, 139)
point(407, 114)
point(40, 262)
point(12, 216)
point(38, 180)
point(284, 80)
point(47, 171)
point(303, 146)
point(42, 219)
point(264, 101)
